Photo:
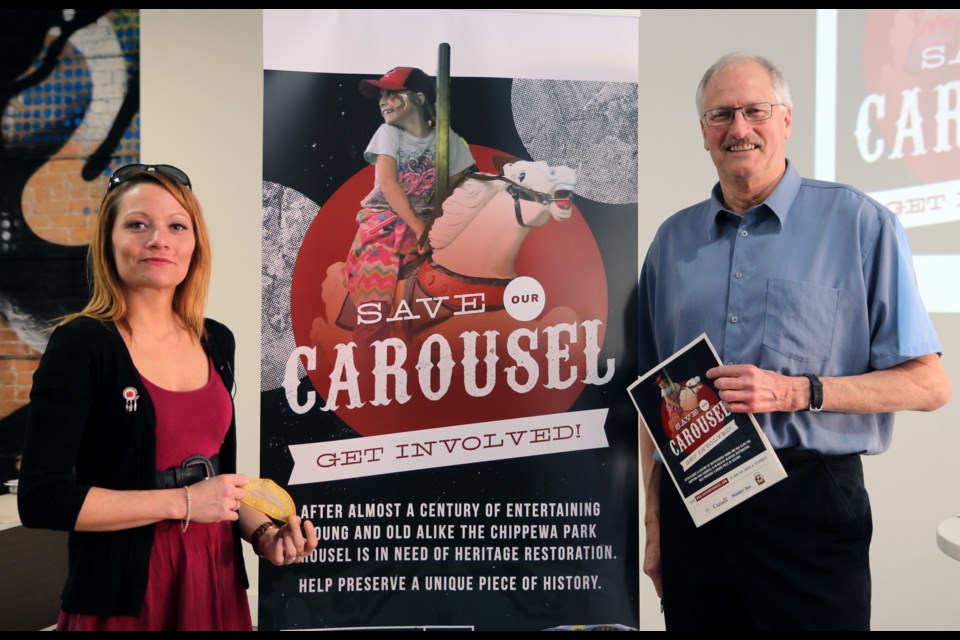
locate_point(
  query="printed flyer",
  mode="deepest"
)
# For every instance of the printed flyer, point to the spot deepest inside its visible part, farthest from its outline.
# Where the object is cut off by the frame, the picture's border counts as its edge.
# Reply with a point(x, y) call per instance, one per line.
point(453, 422)
point(717, 459)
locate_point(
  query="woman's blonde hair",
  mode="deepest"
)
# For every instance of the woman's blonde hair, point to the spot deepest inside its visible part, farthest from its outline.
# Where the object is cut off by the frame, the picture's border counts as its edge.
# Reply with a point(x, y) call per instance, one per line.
point(107, 301)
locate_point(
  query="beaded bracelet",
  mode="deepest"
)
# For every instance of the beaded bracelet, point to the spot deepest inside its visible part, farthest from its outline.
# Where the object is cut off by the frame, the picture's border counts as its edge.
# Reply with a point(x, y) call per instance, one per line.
point(185, 524)
point(258, 533)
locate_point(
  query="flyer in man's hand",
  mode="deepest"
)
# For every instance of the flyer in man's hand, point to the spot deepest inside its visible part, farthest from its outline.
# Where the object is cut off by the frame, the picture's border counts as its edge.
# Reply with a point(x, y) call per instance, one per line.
point(717, 459)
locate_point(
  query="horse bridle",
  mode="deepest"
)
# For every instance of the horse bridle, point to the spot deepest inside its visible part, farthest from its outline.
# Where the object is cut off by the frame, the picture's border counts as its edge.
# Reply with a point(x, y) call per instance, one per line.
point(518, 192)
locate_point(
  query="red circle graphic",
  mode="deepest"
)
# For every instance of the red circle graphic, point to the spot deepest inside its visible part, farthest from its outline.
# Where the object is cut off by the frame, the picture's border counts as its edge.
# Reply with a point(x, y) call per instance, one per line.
point(915, 52)
point(562, 256)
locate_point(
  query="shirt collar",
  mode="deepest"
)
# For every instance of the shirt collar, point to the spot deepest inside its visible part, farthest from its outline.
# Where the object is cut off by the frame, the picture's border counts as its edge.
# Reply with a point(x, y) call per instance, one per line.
point(779, 202)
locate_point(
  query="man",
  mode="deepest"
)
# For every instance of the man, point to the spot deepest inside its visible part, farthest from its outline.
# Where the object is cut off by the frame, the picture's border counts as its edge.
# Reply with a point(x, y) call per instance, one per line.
point(806, 290)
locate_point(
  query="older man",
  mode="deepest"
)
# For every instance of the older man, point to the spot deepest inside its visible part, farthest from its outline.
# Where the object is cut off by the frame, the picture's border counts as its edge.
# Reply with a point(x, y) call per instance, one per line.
point(806, 289)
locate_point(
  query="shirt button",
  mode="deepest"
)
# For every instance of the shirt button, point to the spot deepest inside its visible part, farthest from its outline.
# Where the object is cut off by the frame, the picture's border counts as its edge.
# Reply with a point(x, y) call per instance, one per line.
point(730, 362)
point(734, 319)
point(738, 275)
point(744, 233)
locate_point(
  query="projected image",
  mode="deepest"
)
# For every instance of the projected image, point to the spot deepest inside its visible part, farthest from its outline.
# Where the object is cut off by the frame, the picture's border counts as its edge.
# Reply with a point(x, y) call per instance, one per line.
point(896, 128)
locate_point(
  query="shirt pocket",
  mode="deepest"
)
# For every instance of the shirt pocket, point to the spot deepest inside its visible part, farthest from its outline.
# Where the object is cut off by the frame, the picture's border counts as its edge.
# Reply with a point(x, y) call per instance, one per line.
point(800, 319)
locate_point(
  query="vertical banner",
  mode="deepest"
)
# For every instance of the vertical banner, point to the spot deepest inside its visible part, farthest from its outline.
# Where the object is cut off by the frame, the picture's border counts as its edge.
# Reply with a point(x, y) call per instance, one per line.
point(473, 464)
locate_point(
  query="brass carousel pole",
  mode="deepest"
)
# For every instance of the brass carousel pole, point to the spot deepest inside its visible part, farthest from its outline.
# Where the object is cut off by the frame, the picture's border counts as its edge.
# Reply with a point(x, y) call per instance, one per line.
point(442, 162)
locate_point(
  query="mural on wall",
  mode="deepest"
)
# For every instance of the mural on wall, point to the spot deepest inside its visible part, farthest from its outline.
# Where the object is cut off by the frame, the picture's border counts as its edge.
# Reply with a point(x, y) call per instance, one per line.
point(70, 95)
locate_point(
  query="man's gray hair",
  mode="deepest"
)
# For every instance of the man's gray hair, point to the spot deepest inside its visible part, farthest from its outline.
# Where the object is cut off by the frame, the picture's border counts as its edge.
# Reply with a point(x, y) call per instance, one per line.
point(777, 81)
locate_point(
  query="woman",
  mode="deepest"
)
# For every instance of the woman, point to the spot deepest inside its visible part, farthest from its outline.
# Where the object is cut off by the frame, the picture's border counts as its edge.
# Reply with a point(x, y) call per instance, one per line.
point(131, 392)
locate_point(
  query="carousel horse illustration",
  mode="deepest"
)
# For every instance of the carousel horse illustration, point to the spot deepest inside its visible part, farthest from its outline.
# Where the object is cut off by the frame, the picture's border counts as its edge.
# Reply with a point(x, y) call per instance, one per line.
point(475, 244)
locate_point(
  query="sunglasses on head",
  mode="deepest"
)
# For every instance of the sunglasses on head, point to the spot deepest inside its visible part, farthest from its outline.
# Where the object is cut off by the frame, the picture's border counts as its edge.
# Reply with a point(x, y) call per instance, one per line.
point(126, 172)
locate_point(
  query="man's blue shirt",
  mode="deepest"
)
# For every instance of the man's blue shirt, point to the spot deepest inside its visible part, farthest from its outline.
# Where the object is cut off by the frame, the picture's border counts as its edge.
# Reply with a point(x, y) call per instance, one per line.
point(817, 279)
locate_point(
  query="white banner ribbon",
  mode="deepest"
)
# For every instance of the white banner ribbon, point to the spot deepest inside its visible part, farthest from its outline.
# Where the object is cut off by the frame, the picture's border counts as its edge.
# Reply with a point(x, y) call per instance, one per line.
point(448, 446)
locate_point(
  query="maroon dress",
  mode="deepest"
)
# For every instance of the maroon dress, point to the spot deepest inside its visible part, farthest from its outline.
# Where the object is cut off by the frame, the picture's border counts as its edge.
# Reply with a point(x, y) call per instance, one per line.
point(194, 582)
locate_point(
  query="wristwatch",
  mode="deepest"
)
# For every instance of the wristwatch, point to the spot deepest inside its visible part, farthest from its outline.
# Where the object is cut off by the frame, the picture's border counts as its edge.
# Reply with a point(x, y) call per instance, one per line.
point(816, 392)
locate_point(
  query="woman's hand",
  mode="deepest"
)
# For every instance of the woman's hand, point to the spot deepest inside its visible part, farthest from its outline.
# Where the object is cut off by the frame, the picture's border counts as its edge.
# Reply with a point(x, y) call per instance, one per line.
point(212, 500)
point(218, 498)
point(288, 544)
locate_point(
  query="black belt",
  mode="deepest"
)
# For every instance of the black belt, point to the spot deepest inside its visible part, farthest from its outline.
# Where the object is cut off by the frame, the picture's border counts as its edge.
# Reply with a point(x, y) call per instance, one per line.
point(191, 470)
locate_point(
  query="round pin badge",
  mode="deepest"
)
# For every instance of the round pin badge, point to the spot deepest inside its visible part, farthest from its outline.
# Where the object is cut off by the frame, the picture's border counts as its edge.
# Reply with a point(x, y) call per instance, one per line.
point(130, 396)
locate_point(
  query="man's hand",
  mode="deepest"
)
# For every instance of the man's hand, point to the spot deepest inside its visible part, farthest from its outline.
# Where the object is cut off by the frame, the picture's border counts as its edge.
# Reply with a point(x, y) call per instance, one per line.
point(745, 388)
point(920, 384)
point(651, 555)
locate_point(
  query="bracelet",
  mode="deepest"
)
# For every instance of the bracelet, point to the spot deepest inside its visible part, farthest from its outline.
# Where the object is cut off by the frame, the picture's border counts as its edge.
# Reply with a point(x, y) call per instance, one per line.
point(258, 533)
point(185, 524)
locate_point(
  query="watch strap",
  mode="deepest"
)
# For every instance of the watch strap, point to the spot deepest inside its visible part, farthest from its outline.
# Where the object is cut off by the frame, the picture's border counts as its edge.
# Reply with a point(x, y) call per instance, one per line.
point(816, 392)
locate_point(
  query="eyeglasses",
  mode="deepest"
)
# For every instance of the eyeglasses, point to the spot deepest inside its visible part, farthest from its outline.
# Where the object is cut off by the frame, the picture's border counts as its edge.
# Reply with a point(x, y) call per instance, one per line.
point(757, 112)
point(126, 172)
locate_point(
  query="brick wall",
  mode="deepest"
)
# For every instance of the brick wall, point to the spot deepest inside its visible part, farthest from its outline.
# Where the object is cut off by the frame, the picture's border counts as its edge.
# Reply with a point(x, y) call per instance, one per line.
point(17, 364)
point(59, 205)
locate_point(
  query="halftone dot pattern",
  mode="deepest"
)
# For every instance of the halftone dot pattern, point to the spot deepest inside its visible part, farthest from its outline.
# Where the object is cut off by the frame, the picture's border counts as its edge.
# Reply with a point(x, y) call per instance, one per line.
point(588, 126)
point(48, 113)
point(126, 26)
point(44, 116)
point(287, 214)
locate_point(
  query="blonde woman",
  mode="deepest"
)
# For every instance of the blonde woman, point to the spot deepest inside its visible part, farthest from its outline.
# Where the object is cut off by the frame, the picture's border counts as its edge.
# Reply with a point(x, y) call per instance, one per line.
point(131, 443)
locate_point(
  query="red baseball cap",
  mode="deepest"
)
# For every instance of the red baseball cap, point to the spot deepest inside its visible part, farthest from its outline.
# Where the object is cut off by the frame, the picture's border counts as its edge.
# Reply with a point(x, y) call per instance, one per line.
point(398, 79)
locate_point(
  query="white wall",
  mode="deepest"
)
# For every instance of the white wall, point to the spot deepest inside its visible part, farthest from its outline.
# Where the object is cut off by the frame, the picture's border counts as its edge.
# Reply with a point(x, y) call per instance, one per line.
point(202, 102)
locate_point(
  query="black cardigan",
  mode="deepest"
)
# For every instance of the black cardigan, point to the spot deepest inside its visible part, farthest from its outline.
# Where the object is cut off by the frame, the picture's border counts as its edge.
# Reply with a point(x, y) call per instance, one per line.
point(80, 435)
